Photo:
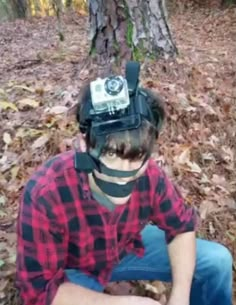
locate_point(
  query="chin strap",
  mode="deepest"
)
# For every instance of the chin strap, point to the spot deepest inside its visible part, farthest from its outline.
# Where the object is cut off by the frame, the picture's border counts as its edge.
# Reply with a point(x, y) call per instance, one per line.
point(86, 162)
point(114, 189)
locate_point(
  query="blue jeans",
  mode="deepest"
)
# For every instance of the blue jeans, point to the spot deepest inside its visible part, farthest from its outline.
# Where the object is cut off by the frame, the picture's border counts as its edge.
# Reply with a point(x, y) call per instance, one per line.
point(212, 281)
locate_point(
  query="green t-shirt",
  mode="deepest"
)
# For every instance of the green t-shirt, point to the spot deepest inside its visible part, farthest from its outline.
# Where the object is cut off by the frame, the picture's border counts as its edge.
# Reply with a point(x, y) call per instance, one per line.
point(103, 201)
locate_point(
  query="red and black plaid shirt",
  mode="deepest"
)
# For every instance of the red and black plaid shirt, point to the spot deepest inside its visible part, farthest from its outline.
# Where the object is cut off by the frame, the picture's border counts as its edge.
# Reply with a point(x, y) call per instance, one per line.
point(61, 226)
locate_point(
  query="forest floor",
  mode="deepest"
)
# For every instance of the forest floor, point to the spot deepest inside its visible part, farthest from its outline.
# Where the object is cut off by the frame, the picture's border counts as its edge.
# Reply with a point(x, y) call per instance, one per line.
point(40, 79)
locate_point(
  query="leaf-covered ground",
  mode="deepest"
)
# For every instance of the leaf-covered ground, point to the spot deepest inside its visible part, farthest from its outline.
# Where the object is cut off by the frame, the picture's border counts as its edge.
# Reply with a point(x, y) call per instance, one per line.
point(40, 80)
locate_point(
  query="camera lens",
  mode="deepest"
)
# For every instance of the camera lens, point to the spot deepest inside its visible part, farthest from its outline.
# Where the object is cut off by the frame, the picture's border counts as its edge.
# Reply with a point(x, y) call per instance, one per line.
point(113, 85)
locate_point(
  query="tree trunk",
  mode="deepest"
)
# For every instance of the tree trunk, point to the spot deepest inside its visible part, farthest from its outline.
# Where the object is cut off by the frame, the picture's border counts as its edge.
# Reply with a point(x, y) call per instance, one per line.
point(19, 8)
point(58, 7)
point(68, 3)
point(131, 29)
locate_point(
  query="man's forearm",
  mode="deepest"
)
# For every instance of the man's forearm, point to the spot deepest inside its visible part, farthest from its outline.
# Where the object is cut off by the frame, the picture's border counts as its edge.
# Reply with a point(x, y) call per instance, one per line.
point(71, 294)
point(182, 252)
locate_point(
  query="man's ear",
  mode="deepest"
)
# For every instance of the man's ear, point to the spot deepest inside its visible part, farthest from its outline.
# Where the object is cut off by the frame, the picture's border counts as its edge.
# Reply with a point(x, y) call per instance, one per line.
point(80, 143)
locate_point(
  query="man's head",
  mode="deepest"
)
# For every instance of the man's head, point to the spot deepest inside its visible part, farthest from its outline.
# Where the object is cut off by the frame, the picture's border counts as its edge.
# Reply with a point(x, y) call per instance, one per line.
point(133, 144)
point(119, 139)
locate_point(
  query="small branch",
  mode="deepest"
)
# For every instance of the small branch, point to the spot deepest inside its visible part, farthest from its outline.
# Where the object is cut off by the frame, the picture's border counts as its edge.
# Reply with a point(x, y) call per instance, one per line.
point(57, 9)
point(208, 62)
point(24, 64)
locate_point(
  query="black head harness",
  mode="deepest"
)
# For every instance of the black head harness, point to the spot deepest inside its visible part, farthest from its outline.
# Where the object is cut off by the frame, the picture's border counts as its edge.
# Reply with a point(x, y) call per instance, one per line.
point(113, 106)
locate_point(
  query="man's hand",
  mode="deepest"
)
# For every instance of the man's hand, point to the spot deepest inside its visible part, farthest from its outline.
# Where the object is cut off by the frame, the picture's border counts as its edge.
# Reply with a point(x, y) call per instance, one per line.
point(182, 252)
point(173, 302)
point(177, 300)
point(135, 300)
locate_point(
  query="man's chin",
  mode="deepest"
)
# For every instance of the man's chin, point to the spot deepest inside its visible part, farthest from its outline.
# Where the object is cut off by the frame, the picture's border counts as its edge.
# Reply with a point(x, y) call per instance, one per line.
point(118, 201)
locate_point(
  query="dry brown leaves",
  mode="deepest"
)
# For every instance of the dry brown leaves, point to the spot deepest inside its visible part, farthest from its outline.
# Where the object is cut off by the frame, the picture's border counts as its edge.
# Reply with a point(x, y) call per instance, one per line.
point(39, 84)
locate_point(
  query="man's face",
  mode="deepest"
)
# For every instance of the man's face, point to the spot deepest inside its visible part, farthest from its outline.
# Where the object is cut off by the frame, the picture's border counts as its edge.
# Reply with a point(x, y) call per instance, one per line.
point(114, 162)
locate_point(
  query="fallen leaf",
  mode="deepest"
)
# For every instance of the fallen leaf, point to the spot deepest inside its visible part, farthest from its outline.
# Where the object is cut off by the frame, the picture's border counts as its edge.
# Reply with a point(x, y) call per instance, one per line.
point(227, 153)
point(204, 179)
point(7, 138)
point(3, 160)
point(28, 132)
point(31, 90)
point(2, 263)
point(184, 157)
point(214, 141)
point(194, 167)
point(82, 12)
point(9, 272)
point(58, 110)
point(208, 156)
point(208, 108)
point(40, 91)
point(27, 102)
point(191, 108)
point(209, 84)
point(183, 100)
point(41, 141)
point(219, 180)
point(3, 284)
point(2, 92)
point(229, 202)
point(2, 214)
point(211, 228)
point(207, 207)
point(8, 105)
point(120, 288)
point(231, 236)
point(14, 172)
point(84, 74)
point(12, 259)
point(159, 286)
point(3, 200)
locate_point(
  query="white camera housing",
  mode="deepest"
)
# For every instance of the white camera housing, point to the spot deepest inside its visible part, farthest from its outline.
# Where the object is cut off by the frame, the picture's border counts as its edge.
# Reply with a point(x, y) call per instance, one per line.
point(104, 100)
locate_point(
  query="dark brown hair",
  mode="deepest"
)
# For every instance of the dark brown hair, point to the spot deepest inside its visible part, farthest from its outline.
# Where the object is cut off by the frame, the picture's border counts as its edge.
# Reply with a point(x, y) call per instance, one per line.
point(130, 144)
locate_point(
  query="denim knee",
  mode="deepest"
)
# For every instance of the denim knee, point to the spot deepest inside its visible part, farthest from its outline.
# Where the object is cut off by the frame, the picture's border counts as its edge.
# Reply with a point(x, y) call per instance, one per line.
point(220, 260)
point(79, 278)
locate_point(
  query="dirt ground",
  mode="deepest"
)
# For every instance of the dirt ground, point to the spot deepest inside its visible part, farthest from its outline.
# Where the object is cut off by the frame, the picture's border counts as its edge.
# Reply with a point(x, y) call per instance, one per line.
point(40, 79)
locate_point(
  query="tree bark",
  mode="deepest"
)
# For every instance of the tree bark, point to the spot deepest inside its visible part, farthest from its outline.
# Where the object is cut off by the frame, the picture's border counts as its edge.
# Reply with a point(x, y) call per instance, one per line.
point(131, 29)
point(57, 7)
point(19, 8)
point(68, 3)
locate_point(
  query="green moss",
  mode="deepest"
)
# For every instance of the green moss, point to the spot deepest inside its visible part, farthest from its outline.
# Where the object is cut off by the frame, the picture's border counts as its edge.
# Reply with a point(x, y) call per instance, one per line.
point(116, 47)
point(129, 35)
point(152, 57)
point(138, 54)
point(92, 51)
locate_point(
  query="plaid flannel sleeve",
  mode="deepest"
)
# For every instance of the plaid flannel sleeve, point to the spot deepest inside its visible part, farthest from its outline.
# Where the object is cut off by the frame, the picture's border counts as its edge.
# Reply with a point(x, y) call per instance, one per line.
point(40, 251)
point(170, 213)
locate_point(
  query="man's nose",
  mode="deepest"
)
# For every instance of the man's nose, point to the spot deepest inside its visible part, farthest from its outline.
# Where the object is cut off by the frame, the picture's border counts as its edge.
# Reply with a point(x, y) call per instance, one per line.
point(126, 165)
